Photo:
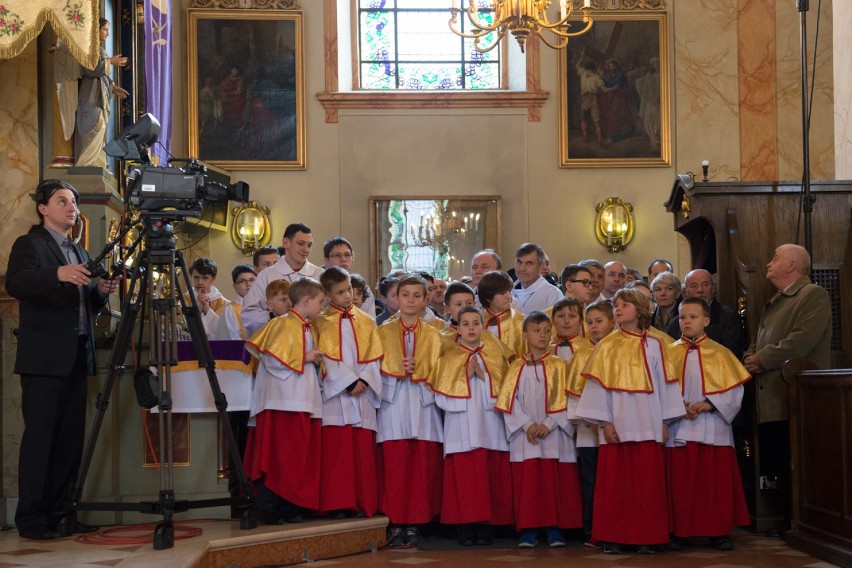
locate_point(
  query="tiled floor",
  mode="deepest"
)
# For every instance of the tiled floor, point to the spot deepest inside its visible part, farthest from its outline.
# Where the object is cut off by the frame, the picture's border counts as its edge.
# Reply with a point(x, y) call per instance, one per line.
point(751, 551)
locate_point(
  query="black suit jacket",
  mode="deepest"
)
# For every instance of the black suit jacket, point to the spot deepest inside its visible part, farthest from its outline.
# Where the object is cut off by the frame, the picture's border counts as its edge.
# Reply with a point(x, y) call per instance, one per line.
point(726, 327)
point(48, 328)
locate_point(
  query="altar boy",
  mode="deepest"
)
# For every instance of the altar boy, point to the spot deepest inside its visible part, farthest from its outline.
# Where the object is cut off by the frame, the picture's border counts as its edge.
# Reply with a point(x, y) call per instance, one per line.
point(705, 488)
point(546, 483)
point(283, 451)
point(351, 393)
point(410, 435)
point(477, 476)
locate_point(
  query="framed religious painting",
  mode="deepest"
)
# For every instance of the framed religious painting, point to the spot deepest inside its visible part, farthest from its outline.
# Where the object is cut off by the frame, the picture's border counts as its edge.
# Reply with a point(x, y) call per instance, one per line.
point(614, 93)
point(246, 88)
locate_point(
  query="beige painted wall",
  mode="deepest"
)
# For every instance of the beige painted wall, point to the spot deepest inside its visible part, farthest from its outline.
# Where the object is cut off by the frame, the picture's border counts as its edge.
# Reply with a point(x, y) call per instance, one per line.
point(398, 152)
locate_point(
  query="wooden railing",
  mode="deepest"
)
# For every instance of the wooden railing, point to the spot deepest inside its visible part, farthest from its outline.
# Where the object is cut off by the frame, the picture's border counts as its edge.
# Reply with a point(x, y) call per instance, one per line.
point(821, 452)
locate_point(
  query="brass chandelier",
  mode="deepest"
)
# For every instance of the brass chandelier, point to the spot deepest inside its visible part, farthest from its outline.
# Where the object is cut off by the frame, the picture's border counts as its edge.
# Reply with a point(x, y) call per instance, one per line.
point(520, 18)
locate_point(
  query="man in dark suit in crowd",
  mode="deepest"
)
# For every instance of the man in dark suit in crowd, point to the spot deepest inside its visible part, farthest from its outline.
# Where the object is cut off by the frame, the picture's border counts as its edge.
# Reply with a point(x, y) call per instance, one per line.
point(726, 326)
point(47, 274)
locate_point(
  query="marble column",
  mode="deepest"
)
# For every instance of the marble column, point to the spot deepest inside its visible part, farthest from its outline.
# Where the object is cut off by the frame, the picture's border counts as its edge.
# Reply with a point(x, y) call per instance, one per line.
point(842, 92)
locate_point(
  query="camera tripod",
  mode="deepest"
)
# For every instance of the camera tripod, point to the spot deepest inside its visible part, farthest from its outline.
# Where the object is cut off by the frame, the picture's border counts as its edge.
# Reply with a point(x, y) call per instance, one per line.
point(160, 255)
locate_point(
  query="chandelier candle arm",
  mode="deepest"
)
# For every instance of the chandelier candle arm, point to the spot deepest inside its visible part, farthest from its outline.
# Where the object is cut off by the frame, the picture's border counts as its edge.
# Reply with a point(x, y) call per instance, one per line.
point(520, 18)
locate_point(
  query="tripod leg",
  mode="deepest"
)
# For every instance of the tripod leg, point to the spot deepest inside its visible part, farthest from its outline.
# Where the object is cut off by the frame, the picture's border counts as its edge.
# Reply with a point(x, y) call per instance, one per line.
point(123, 335)
point(164, 533)
point(204, 354)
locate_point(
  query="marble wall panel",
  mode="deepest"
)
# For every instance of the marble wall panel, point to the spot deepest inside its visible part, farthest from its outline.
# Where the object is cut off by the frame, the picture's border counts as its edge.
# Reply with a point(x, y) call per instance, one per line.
point(756, 63)
point(706, 87)
point(789, 91)
point(842, 44)
point(19, 152)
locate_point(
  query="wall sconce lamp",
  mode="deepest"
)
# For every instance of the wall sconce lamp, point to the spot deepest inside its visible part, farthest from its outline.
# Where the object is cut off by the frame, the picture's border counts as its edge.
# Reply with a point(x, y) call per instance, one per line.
point(614, 224)
point(250, 228)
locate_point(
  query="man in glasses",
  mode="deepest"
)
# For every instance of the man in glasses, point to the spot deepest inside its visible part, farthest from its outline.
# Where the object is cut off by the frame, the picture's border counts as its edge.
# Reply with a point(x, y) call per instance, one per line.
point(338, 251)
point(578, 282)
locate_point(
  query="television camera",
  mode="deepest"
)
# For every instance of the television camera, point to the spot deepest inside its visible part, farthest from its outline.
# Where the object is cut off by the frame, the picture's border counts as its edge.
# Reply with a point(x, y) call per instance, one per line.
point(172, 192)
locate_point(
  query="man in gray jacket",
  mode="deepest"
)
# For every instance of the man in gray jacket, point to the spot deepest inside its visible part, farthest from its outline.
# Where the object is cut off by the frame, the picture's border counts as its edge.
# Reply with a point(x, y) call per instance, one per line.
point(795, 323)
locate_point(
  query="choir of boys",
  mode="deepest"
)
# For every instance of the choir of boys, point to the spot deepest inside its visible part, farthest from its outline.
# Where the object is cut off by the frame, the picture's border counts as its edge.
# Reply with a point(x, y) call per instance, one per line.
point(583, 418)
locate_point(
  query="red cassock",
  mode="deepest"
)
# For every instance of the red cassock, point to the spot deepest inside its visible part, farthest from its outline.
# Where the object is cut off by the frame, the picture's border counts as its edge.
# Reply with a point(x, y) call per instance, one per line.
point(349, 469)
point(284, 450)
point(631, 506)
point(477, 488)
point(705, 490)
point(547, 494)
point(410, 480)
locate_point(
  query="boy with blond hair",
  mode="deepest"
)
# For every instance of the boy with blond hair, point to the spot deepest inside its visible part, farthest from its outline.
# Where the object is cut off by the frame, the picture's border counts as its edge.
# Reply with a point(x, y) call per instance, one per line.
point(283, 450)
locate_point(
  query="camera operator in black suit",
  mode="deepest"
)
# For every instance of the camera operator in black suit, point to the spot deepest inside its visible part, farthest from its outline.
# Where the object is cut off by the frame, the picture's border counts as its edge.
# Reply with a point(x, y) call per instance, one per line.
point(58, 299)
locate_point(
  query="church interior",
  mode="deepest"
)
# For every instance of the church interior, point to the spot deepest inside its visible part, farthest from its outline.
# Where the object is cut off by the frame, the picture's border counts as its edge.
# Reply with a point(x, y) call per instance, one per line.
point(717, 184)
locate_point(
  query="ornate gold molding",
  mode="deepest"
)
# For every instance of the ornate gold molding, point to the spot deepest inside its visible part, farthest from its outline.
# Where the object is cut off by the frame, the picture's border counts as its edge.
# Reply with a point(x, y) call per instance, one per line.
point(623, 4)
point(248, 4)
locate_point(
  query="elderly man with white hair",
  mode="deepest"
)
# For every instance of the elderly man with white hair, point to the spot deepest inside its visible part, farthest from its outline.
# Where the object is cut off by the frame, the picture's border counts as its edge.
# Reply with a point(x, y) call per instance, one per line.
point(795, 323)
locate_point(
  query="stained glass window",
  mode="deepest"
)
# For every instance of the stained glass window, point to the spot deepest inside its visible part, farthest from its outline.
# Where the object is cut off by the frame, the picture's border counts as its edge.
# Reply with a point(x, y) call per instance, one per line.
point(407, 44)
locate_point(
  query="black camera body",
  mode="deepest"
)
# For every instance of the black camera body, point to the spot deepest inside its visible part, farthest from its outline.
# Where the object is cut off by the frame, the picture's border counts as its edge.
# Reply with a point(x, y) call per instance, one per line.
point(181, 191)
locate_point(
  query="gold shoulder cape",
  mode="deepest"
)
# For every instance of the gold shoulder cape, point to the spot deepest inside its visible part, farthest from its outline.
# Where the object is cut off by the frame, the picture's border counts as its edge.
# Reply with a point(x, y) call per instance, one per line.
point(664, 337)
point(437, 324)
point(510, 327)
point(618, 363)
point(238, 312)
point(555, 381)
point(328, 327)
point(450, 338)
point(427, 349)
point(720, 369)
point(576, 343)
point(284, 339)
point(576, 380)
point(217, 305)
point(449, 375)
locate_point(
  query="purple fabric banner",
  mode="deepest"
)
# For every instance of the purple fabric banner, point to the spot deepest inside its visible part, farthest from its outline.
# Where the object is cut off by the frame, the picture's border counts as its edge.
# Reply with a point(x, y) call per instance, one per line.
point(158, 71)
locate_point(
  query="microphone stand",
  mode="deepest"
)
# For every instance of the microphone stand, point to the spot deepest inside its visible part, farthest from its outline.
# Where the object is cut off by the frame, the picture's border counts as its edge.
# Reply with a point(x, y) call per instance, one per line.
point(807, 199)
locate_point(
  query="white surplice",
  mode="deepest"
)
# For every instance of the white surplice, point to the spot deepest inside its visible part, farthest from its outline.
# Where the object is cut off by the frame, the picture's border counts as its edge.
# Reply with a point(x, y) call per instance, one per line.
point(472, 423)
point(637, 416)
point(408, 409)
point(339, 408)
point(528, 408)
point(712, 428)
point(277, 387)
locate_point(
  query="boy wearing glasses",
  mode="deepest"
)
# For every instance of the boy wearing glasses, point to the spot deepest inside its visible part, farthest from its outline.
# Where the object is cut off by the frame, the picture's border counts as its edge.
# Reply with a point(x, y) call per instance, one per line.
point(231, 323)
point(577, 283)
point(338, 251)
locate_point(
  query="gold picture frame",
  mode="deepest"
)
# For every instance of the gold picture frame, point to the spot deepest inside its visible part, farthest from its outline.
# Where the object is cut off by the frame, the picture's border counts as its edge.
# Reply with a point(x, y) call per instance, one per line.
point(614, 106)
point(246, 88)
point(396, 224)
